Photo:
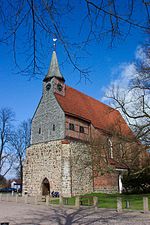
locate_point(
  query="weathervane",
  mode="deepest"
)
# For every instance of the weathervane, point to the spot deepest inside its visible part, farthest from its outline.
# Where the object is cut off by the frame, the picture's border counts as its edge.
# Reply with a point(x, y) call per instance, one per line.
point(54, 43)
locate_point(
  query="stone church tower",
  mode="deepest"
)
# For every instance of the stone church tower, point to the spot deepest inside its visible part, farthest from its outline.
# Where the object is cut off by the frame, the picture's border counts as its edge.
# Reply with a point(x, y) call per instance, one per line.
point(63, 123)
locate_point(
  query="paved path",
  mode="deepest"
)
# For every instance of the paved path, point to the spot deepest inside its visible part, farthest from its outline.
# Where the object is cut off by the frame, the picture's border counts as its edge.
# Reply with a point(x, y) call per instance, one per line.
point(24, 214)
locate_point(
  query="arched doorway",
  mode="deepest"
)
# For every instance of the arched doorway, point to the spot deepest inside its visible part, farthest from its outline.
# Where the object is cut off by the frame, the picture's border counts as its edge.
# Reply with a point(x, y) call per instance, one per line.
point(45, 187)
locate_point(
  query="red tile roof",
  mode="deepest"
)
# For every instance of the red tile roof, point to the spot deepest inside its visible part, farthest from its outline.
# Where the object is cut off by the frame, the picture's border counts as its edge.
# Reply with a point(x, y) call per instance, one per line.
point(118, 165)
point(100, 115)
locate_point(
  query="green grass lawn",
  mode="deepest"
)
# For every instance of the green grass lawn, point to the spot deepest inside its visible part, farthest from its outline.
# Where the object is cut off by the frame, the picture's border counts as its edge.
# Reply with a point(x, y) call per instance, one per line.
point(54, 201)
point(108, 200)
point(66, 201)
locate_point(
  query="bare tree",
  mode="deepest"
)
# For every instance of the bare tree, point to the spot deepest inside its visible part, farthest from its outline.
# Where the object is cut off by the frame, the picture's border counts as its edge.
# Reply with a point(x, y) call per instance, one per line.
point(32, 24)
point(134, 102)
point(95, 156)
point(116, 146)
point(20, 141)
point(3, 181)
point(108, 151)
point(6, 155)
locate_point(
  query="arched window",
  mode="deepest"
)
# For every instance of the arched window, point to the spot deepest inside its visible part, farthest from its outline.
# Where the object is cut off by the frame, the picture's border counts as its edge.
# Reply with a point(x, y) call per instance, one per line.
point(110, 148)
point(121, 150)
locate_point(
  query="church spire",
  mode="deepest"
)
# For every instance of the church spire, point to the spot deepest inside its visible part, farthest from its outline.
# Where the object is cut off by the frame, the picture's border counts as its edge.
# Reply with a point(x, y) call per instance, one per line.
point(54, 69)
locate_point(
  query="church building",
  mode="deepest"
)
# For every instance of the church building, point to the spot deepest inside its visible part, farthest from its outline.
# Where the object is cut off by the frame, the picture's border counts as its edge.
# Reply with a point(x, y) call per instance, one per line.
point(64, 125)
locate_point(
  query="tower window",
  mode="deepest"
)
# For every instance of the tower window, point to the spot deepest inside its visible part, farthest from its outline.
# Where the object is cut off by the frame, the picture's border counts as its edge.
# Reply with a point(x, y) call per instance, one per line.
point(39, 130)
point(81, 129)
point(53, 127)
point(59, 87)
point(71, 126)
point(48, 86)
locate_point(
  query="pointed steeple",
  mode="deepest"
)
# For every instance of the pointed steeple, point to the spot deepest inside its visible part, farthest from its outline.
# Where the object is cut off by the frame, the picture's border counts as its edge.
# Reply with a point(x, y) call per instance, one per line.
point(54, 69)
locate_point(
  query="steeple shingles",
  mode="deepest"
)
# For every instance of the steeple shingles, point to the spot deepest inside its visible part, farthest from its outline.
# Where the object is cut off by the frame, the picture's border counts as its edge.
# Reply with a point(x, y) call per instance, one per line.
point(54, 69)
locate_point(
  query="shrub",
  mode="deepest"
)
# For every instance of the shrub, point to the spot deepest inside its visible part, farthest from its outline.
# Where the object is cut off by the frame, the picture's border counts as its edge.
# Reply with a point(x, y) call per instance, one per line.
point(137, 182)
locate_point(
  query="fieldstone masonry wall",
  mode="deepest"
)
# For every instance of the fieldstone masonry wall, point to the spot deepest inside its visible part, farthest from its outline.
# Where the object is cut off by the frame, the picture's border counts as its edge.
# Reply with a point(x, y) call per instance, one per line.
point(67, 166)
point(81, 167)
point(42, 161)
point(66, 171)
point(61, 164)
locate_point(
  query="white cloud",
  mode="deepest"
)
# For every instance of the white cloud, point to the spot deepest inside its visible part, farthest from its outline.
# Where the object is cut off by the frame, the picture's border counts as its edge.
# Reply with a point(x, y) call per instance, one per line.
point(131, 99)
point(123, 74)
point(141, 55)
point(119, 87)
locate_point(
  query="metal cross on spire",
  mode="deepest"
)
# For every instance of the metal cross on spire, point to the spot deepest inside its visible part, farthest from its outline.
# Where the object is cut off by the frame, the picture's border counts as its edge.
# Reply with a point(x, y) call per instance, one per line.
point(54, 43)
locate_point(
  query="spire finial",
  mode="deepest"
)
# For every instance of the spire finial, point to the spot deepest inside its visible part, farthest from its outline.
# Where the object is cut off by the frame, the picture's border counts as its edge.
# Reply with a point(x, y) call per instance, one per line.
point(54, 43)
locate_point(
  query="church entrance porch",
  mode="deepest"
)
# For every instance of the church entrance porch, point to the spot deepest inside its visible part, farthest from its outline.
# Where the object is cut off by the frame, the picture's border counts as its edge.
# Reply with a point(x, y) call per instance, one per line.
point(45, 187)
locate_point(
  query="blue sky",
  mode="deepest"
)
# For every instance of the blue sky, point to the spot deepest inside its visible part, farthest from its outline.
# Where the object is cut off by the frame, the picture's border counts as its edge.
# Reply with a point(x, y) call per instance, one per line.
point(23, 94)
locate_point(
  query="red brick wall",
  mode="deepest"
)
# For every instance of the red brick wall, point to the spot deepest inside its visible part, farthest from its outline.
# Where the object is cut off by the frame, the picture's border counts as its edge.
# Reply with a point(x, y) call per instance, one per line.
point(107, 181)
